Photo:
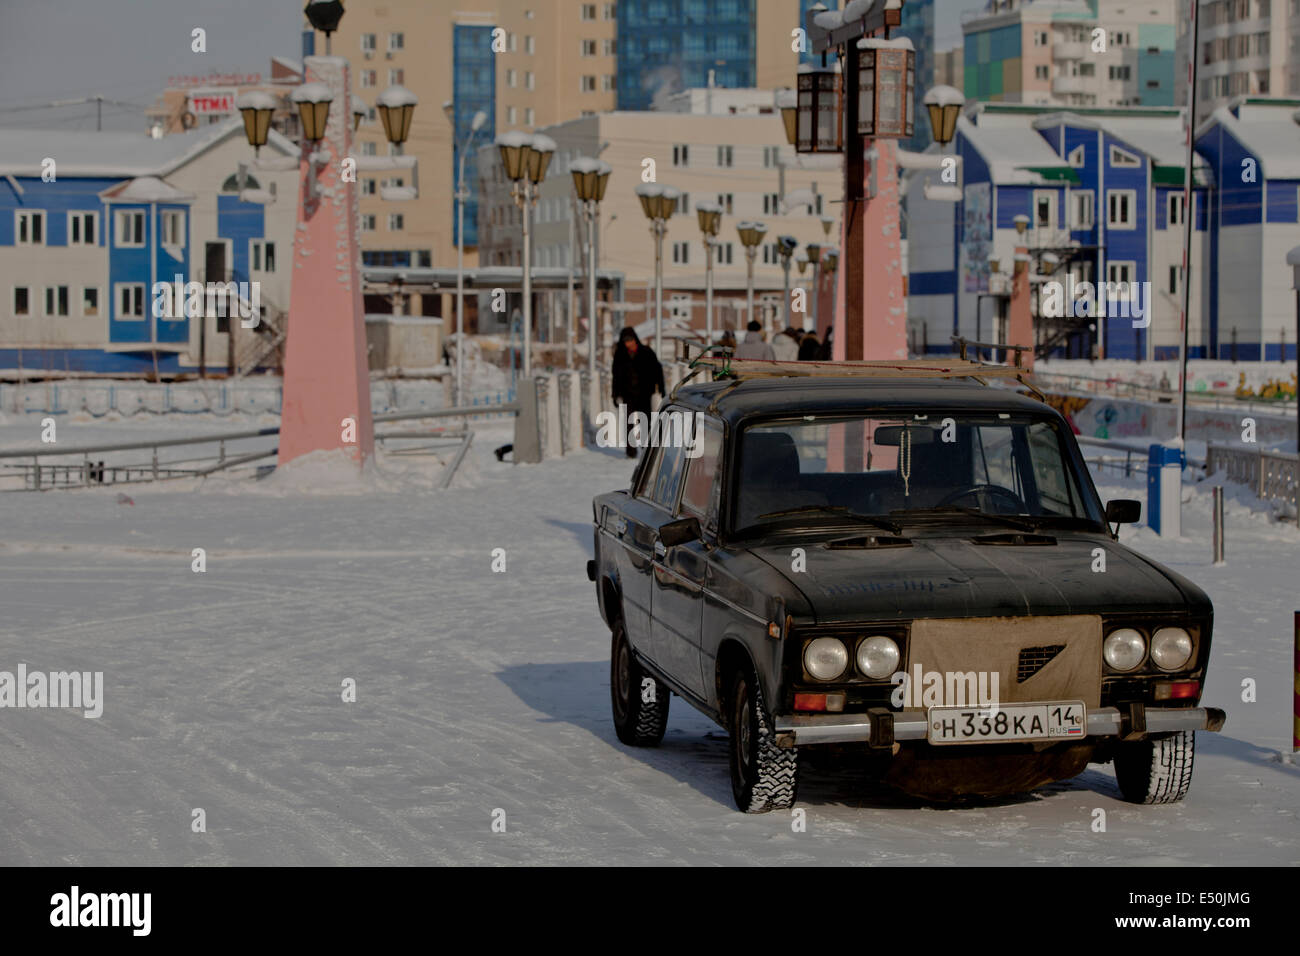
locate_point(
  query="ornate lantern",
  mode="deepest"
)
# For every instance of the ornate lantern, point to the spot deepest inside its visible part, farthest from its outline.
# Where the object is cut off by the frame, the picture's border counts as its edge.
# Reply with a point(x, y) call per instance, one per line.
point(819, 110)
point(886, 76)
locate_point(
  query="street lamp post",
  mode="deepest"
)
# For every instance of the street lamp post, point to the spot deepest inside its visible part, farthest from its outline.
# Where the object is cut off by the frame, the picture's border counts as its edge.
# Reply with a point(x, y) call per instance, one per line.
point(814, 250)
point(801, 261)
point(751, 234)
point(658, 203)
point(590, 179)
point(787, 246)
point(526, 158)
point(476, 124)
point(709, 215)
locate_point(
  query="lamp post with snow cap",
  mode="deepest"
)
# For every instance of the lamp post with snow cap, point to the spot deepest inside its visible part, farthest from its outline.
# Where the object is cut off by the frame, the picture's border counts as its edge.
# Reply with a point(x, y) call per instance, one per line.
point(944, 105)
point(658, 202)
point(751, 234)
point(590, 180)
point(359, 111)
point(525, 158)
point(476, 123)
point(709, 216)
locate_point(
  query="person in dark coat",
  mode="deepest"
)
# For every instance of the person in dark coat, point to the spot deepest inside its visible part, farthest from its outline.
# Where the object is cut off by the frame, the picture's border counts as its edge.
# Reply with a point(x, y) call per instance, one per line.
point(809, 347)
point(827, 351)
point(636, 375)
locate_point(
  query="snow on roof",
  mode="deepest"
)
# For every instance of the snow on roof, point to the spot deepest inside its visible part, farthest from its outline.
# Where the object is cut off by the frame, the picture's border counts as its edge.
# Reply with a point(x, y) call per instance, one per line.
point(879, 43)
point(114, 154)
point(144, 189)
point(1160, 136)
point(1007, 149)
point(288, 64)
point(1268, 131)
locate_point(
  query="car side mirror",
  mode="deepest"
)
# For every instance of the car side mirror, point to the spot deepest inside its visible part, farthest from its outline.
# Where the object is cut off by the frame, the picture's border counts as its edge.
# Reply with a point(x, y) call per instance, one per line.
point(681, 531)
point(1123, 511)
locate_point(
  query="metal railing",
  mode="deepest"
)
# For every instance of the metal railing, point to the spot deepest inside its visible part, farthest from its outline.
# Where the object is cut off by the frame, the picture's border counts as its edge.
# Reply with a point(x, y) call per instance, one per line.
point(1272, 475)
point(1116, 388)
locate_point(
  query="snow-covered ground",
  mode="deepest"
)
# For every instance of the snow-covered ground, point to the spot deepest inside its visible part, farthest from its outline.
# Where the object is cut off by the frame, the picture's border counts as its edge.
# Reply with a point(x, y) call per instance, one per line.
point(479, 691)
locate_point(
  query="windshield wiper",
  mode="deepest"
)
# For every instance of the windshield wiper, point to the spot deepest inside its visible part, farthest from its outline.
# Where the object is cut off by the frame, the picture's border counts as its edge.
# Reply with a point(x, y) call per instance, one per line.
point(1016, 521)
point(893, 527)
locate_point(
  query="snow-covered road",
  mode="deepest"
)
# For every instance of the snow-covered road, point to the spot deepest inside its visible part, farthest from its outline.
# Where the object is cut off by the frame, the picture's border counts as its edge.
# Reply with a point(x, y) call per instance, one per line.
point(479, 691)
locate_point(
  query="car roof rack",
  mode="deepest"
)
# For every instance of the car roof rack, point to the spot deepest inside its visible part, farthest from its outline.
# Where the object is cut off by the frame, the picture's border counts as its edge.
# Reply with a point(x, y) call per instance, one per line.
point(720, 361)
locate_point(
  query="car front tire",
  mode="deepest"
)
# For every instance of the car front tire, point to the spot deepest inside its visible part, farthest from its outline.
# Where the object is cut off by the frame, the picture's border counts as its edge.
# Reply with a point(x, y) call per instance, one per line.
point(763, 776)
point(639, 702)
point(1156, 770)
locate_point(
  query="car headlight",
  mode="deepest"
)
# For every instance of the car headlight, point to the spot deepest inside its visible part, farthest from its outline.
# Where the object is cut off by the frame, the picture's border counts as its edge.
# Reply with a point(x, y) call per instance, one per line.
point(1124, 649)
point(826, 658)
point(1171, 648)
point(878, 657)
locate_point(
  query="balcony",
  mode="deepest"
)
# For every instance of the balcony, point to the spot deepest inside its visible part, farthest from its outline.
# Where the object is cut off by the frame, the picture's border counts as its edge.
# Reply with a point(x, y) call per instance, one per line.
point(1069, 50)
point(1065, 85)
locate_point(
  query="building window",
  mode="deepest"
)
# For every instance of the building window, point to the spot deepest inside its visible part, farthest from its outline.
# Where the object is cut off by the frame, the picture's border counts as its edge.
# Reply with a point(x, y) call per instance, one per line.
point(1174, 212)
point(530, 46)
point(588, 47)
point(29, 227)
point(771, 156)
point(90, 302)
point(530, 81)
point(725, 201)
point(1121, 207)
point(56, 300)
point(396, 41)
point(263, 256)
point(511, 115)
point(1044, 209)
point(368, 222)
point(724, 253)
point(511, 80)
point(130, 228)
point(171, 227)
point(771, 204)
point(1081, 209)
point(396, 77)
point(724, 156)
point(588, 11)
point(1041, 71)
point(1123, 158)
point(609, 47)
point(82, 228)
point(369, 148)
point(529, 116)
point(681, 155)
point(368, 186)
point(1087, 69)
point(1076, 157)
point(683, 206)
point(130, 300)
point(1175, 280)
point(1120, 72)
point(22, 300)
point(368, 79)
point(1040, 38)
point(681, 253)
point(395, 222)
point(1120, 278)
point(611, 11)
point(608, 83)
point(588, 84)
point(367, 43)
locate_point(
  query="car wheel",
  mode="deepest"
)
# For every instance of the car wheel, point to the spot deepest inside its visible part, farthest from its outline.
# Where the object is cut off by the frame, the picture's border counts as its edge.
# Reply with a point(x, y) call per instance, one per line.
point(640, 703)
point(1156, 770)
point(763, 776)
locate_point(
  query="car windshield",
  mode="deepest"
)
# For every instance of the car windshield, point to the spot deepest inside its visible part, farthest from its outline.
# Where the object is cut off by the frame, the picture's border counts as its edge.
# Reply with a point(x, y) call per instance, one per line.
point(1007, 469)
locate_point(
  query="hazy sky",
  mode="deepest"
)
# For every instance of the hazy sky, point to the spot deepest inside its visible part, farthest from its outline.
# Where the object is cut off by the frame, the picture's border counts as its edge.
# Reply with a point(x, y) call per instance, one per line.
point(126, 49)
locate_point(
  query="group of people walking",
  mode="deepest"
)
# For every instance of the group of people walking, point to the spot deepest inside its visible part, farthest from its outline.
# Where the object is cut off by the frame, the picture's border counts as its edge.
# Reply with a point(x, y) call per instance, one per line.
point(790, 345)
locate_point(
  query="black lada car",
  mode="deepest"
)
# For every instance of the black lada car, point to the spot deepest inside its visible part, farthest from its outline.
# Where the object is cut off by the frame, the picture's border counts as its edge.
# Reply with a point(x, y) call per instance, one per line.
point(916, 569)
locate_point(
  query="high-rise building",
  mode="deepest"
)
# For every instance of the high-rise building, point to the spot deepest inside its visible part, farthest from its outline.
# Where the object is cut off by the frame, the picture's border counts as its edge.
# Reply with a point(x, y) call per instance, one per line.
point(918, 26)
point(1248, 48)
point(1071, 53)
point(666, 46)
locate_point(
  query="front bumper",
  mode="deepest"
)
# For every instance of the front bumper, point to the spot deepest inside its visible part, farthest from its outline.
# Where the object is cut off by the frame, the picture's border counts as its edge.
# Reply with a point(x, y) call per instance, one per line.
point(880, 727)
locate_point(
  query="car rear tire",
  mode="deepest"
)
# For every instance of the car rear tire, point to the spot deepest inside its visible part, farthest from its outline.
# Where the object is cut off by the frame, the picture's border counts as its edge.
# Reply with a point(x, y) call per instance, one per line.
point(639, 701)
point(763, 776)
point(1156, 770)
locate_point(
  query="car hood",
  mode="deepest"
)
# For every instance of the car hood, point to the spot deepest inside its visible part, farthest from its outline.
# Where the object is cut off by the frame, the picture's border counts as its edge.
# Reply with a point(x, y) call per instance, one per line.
point(954, 576)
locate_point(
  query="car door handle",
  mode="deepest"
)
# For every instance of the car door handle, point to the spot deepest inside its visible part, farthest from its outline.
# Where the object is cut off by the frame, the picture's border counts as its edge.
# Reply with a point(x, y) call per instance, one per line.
point(660, 550)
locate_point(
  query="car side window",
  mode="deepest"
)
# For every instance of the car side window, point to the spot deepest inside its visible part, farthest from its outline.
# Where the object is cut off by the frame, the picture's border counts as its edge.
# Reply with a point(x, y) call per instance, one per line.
point(699, 496)
point(668, 476)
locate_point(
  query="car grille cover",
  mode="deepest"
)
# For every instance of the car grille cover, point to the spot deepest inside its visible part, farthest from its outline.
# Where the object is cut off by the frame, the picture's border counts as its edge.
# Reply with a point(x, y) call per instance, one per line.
point(1034, 659)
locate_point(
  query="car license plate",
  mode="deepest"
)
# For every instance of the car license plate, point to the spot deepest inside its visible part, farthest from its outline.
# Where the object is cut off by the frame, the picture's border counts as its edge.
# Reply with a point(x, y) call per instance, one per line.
point(1051, 720)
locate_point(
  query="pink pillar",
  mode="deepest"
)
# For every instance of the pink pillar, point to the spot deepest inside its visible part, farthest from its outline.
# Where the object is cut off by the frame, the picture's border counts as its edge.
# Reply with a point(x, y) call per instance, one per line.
point(1020, 324)
point(884, 307)
point(326, 370)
